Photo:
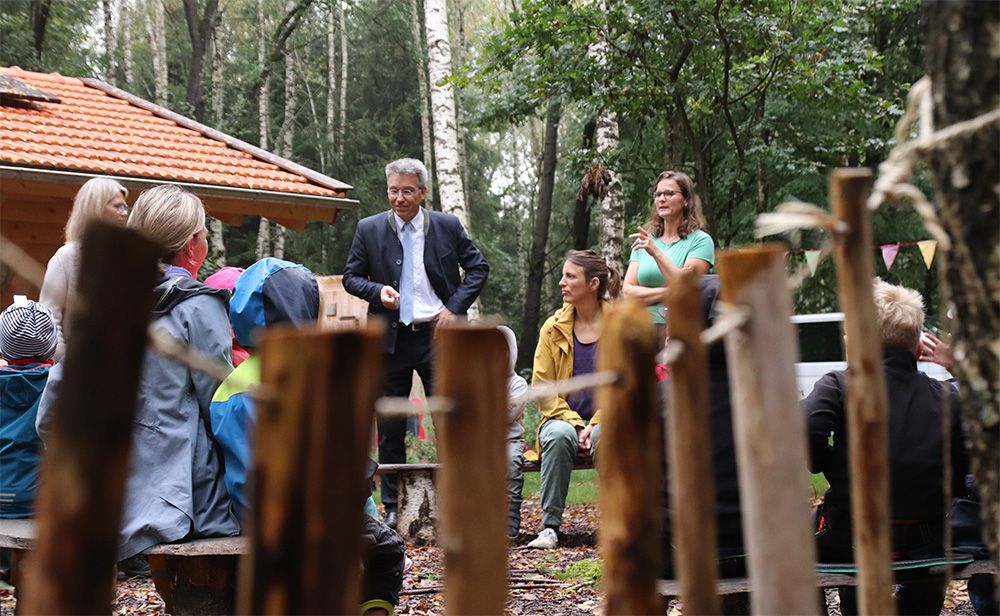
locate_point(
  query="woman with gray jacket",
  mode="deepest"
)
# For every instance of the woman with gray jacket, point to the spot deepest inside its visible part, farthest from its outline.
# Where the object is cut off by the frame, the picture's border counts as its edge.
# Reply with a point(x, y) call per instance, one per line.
point(174, 489)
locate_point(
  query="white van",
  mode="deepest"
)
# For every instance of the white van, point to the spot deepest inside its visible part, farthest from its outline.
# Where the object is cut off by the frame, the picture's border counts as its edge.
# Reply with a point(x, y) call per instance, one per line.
point(821, 350)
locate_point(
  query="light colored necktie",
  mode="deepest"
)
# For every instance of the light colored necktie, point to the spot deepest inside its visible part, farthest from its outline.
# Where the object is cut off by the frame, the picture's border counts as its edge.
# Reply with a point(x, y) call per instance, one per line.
point(406, 278)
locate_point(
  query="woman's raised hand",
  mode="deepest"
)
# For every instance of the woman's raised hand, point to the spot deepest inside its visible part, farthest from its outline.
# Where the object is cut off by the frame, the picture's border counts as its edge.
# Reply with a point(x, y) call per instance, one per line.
point(642, 240)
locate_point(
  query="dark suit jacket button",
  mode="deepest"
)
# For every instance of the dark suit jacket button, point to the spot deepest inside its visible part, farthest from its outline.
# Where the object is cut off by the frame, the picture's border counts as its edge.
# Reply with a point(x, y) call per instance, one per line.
point(395, 283)
point(399, 261)
point(393, 326)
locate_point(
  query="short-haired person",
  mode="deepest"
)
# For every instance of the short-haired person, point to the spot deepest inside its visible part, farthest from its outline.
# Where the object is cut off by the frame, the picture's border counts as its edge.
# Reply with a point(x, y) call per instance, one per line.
point(99, 198)
point(174, 488)
point(673, 239)
point(916, 444)
point(407, 263)
point(567, 347)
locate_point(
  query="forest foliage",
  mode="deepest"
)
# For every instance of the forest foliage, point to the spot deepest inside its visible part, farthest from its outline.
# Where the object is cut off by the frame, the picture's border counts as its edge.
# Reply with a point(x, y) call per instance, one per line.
point(756, 101)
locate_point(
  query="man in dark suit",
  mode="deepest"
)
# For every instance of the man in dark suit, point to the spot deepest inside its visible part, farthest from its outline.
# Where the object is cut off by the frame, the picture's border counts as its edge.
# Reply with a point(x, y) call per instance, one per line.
point(405, 264)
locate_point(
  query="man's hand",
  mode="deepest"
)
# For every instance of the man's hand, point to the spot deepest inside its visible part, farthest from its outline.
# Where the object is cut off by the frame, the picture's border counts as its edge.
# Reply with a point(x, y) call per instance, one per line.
point(584, 436)
point(389, 297)
point(445, 318)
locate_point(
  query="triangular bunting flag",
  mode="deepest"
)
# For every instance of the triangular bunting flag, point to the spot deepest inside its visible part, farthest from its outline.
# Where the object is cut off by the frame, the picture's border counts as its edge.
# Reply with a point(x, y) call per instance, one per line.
point(812, 260)
point(927, 249)
point(889, 252)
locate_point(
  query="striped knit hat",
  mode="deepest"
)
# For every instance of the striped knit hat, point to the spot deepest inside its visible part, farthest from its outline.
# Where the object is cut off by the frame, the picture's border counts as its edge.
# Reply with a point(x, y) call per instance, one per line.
point(27, 331)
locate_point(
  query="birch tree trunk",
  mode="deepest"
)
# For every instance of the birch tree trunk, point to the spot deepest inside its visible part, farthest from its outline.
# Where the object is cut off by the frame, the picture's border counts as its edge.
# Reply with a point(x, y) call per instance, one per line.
point(459, 60)
point(331, 84)
point(611, 231)
point(966, 172)
point(449, 177)
point(126, 42)
point(156, 31)
point(612, 228)
point(287, 134)
point(263, 109)
point(216, 230)
point(342, 128)
point(109, 42)
point(425, 116)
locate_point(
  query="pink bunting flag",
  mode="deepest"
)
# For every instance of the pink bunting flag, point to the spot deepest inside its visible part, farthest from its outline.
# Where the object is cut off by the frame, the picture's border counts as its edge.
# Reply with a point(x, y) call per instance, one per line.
point(889, 252)
point(812, 260)
point(927, 250)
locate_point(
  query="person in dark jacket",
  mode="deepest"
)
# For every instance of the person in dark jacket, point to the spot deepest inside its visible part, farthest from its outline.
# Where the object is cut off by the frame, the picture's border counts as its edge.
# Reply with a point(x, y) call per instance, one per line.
point(730, 550)
point(916, 445)
point(418, 270)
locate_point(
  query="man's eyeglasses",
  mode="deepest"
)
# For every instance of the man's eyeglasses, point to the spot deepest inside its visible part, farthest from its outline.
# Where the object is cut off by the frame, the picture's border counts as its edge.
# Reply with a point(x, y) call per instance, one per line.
point(665, 194)
point(406, 192)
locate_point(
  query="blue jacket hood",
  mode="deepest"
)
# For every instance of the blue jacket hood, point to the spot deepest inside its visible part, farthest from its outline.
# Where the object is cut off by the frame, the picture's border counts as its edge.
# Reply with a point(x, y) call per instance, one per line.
point(272, 291)
point(21, 387)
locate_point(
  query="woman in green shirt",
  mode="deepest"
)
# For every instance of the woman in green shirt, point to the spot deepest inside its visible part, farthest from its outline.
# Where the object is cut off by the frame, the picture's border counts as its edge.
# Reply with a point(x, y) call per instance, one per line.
point(672, 240)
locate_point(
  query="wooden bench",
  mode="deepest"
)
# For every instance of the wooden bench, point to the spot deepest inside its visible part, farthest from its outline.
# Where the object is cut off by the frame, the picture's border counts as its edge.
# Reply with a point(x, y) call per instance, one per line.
point(830, 575)
point(417, 500)
point(194, 577)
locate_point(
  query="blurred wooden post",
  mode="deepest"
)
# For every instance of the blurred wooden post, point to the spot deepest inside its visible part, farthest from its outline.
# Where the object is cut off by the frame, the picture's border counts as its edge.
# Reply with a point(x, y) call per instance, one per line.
point(689, 438)
point(867, 403)
point(309, 473)
point(86, 454)
point(630, 462)
point(471, 369)
point(769, 426)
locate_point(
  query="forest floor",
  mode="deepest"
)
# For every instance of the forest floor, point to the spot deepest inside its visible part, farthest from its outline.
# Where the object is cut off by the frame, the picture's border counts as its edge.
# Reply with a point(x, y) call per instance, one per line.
point(560, 582)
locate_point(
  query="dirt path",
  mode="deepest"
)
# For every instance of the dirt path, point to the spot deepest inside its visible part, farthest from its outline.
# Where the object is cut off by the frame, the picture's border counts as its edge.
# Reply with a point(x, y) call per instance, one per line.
point(560, 582)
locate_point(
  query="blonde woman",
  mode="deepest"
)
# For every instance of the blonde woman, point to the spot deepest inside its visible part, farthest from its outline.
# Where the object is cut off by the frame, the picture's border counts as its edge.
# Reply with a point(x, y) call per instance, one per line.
point(99, 198)
point(174, 489)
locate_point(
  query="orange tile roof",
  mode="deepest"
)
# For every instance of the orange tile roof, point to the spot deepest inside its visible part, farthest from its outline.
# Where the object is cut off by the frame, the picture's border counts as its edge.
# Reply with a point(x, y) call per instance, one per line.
point(93, 130)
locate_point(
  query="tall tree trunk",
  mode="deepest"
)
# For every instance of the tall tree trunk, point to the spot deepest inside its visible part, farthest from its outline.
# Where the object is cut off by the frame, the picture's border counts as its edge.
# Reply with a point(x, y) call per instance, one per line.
point(581, 208)
point(199, 29)
point(540, 235)
point(126, 42)
point(966, 172)
point(449, 174)
point(425, 116)
point(218, 64)
point(216, 230)
point(763, 188)
point(673, 151)
point(263, 109)
point(612, 228)
point(109, 42)
point(156, 29)
point(40, 11)
point(287, 135)
point(328, 144)
point(342, 127)
point(459, 60)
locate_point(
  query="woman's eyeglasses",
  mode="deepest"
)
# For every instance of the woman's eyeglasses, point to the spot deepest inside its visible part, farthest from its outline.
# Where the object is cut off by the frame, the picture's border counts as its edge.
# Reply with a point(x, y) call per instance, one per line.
point(665, 194)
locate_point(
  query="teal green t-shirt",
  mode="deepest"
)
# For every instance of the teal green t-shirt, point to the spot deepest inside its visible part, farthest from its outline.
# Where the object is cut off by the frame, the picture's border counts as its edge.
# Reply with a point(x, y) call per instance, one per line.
point(698, 245)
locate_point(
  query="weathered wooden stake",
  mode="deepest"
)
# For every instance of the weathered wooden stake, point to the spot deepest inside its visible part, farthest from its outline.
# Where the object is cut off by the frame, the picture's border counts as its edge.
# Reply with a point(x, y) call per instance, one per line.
point(630, 462)
point(770, 434)
point(867, 403)
point(689, 438)
point(86, 455)
point(471, 369)
point(308, 479)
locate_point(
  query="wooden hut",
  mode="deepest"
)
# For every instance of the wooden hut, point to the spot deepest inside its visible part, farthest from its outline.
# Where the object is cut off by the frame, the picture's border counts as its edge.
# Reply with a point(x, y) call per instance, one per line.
point(57, 132)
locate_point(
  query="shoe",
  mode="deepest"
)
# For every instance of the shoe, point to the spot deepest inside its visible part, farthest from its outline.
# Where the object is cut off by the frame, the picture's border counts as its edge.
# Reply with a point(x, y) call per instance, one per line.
point(134, 566)
point(546, 540)
point(390, 518)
